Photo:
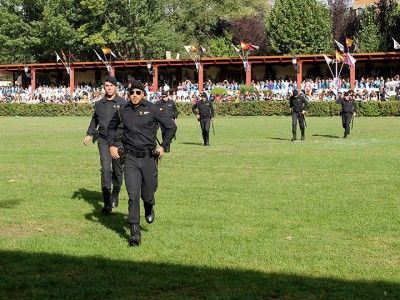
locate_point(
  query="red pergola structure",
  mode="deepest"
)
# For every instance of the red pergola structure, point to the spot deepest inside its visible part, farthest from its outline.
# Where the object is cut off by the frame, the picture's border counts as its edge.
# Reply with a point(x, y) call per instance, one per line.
point(301, 60)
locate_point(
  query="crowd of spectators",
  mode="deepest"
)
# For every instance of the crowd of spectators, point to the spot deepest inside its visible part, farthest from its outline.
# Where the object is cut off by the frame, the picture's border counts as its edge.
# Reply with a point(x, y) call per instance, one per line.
point(318, 89)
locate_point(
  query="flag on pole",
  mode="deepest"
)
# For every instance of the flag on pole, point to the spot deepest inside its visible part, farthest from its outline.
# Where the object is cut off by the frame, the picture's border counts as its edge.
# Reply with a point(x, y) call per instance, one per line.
point(106, 50)
point(328, 60)
point(193, 49)
point(71, 56)
point(350, 60)
point(248, 46)
point(98, 55)
point(349, 42)
point(236, 48)
point(202, 49)
point(340, 46)
point(396, 45)
point(58, 58)
point(63, 55)
point(188, 48)
point(112, 53)
point(339, 56)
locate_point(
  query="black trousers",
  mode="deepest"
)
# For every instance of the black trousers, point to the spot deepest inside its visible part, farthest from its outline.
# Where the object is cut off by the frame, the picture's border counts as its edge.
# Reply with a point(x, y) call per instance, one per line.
point(346, 120)
point(205, 129)
point(111, 172)
point(141, 180)
point(297, 117)
point(163, 131)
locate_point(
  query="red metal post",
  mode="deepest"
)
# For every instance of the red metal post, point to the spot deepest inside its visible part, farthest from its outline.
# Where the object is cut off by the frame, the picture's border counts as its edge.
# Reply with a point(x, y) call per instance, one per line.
point(299, 74)
point(248, 74)
point(201, 77)
point(33, 79)
point(72, 80)
point(352, 77)
point(155, 78)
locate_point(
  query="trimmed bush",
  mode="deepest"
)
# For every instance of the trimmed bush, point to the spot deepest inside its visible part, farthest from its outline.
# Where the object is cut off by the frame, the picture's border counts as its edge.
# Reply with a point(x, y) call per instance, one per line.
point(254, 108)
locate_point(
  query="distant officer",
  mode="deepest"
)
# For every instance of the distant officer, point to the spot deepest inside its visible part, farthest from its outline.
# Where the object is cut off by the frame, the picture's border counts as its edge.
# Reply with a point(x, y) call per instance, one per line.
point(140, 120)
point(111, 169)
point(348, 111)
point(298, 106)
point(204, 111)
point(167, 105)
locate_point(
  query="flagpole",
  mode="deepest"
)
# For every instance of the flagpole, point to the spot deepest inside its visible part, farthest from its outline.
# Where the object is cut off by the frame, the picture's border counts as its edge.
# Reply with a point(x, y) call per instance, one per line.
point(337, 77)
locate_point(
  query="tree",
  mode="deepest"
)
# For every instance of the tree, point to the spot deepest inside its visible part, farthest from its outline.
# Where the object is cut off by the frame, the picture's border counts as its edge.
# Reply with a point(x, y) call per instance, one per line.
point(369, 37)
point(344, 20)
point(299, 26)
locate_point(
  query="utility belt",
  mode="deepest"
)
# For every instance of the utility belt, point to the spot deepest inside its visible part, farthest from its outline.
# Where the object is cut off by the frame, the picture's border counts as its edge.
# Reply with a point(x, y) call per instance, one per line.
point(142, 153)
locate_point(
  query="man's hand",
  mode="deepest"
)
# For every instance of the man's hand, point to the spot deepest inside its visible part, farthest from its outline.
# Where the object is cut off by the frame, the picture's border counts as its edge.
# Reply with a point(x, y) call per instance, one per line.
point(303, 112)
point(87, 139)
point(354, 114)
point(198, 117)
point(114, 152)
point(160, 151)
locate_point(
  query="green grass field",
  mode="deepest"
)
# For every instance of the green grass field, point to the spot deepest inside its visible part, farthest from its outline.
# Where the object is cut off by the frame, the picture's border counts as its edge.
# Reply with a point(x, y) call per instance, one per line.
point(252, 216)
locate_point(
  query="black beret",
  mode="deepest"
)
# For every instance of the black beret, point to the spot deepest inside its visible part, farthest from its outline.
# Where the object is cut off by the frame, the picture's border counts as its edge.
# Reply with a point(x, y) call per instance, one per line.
point(204, 95)
point(295, 92)
point(164, 94)
point(135, 84)
point(346, 94)
point(110, 79)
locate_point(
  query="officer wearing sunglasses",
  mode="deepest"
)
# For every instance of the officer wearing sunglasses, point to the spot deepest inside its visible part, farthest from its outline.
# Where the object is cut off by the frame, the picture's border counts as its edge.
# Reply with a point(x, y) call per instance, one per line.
point(140, 120)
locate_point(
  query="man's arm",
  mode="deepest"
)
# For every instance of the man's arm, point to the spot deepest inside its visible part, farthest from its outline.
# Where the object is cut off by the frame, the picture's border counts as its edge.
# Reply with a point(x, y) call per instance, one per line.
point(91, 131)
point(176, 112)
point(212, 110)
point(169, 125)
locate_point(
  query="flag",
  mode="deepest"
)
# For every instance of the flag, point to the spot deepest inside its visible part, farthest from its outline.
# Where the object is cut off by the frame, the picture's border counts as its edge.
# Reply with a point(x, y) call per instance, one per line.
point(112, 53)
point(202, 49)
point(63, 55)
point(339, 56)
point(341, 47)
point(106, 50)
point(193, 49)
point(58, 57)
point(98, 55)
point(349, 42)
point(248, 46)
point(188, 48)
point(350, 60)
point(236, 48)
point(396, 45)
point(71, 56)
point(327, 59)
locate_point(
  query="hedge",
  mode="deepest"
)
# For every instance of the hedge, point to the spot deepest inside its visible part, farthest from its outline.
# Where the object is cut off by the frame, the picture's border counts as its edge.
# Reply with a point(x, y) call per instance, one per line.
point(256, 108)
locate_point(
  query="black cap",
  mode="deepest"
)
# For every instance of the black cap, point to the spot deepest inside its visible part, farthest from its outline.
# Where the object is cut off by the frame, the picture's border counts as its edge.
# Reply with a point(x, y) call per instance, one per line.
point(295, 92)
point(346, 94)
point(204, 95)
point(111, 79)
point(136, 84)
point(164, 94)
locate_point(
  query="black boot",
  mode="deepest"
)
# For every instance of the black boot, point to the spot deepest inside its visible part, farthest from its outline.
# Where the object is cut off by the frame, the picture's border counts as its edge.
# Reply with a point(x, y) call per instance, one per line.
point(149, 213)
point(294, 138)
point(207, 139)
point(345, 135)
point(107, 208)
point(115, 197)
point(135, 238)
point(303, 137)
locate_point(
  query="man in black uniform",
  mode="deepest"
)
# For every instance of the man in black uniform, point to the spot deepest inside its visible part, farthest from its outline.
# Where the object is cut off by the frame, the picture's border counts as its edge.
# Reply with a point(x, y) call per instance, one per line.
point(111, 169)
point(168, 105)
point(204, 111)
point(347, 112)
point(140, 120)
point(298, 105)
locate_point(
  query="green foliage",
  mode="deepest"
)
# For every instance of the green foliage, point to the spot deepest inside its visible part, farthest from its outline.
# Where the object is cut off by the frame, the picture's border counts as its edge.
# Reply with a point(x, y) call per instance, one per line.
point(222, 46)
point(369, 36)
point(219, 91)
point(253, 108)
point(299, 27)
point(244, 88)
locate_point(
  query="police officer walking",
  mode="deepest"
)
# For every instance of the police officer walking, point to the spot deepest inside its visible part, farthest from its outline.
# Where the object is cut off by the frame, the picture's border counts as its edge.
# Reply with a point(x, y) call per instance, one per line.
point(140, 120)
point(298, 105)
point(111, 169)
point(347, 112)
point(167, 105)
point(204, 111)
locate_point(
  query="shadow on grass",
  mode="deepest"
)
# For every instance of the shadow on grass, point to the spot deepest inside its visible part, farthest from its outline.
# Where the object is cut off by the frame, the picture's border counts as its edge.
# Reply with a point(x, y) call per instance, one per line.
point(115, 221)
point(327, 136)
point(191, 143)
point(42, 275)
point(277, 138)
point(9, 204)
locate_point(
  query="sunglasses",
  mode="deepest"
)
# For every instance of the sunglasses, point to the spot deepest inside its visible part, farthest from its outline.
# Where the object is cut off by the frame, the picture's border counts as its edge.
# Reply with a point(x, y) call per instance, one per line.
point(133, 92)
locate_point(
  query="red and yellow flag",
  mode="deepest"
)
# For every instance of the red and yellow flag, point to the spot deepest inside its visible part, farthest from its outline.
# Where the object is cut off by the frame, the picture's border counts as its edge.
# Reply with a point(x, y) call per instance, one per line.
point(349, 42)
point(339, 56)
point(106, 50)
